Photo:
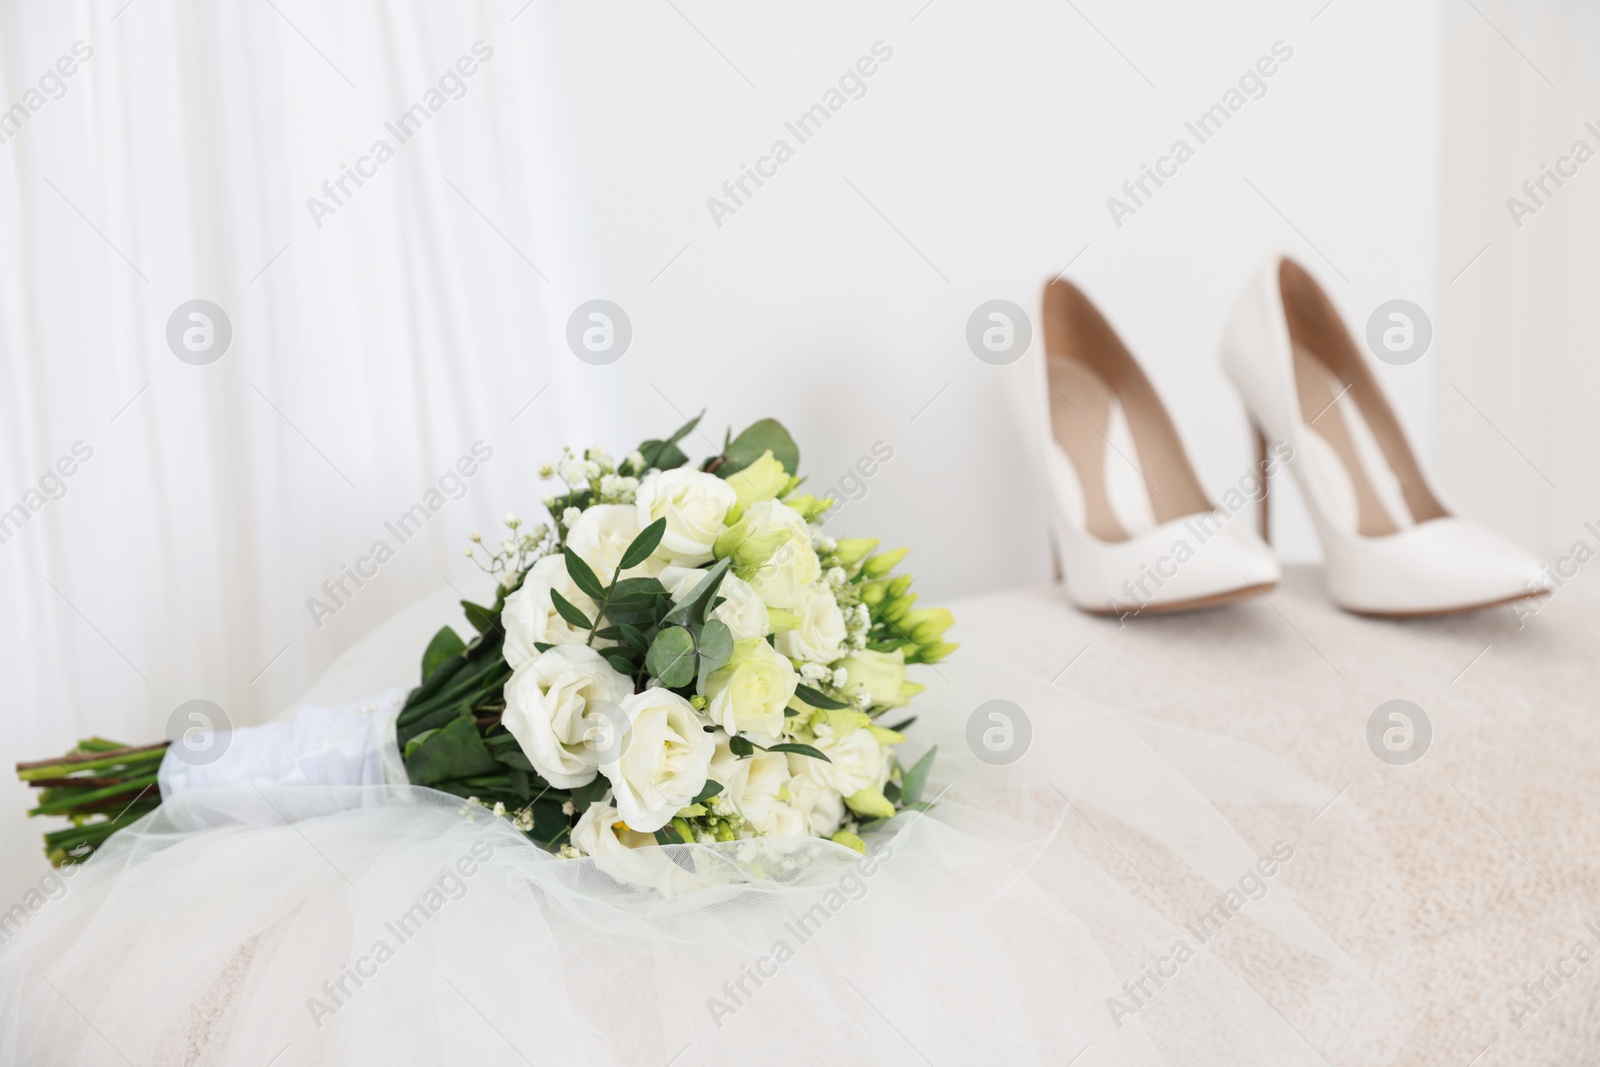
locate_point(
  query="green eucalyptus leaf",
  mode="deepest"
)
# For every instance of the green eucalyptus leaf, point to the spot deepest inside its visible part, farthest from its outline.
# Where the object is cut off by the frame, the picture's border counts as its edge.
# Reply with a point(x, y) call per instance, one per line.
point(741, 746)
point(755, 439)
point(665, 455)
point(671, 657)
point(711, 789)
point(716, 645)
point(692, 608)
point(621, 664)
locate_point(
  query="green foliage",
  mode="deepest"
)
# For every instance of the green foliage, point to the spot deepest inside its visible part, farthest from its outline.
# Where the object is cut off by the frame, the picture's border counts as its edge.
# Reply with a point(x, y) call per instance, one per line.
point(912, 781)
point(454, 751)
point(697, 605)
point(752, 441)
point(803, 750)
point(444, 645)
point(583, 577)
point(665, 455)
point(672, 657)
point(816, 699)
point(640, 548)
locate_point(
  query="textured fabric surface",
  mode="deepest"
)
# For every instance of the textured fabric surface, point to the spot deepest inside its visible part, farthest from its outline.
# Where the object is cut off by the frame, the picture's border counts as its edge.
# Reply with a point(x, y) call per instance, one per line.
point(1484, 873)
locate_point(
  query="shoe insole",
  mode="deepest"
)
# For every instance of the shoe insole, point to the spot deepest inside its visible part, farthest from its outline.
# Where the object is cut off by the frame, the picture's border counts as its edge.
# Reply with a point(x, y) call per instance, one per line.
point(1080, 419)
point(1346, 469)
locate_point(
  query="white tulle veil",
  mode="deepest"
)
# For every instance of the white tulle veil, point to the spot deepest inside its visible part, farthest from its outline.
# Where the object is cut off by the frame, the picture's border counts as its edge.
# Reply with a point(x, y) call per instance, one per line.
point(1088, 904)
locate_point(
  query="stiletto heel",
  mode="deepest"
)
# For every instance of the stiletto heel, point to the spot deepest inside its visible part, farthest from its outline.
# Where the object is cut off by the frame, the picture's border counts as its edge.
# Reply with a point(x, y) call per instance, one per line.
point(1131, 528)
point(1390, 547)
point(1264, 472)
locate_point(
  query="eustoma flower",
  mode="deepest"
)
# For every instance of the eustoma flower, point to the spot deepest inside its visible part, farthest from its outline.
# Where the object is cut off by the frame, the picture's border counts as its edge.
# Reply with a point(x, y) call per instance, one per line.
point(694, 505)
point(555, 708)
point(751, 691)
point(663, 761)
point(603, 533)
point(531, 618)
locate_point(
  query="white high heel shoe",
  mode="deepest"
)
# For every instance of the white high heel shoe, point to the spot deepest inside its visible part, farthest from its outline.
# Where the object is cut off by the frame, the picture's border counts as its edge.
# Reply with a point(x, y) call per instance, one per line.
point(1392, 549)
point(1132, 529)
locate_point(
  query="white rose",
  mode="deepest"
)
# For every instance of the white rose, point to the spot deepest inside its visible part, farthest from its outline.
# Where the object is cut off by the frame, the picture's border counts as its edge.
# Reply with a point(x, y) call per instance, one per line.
point(751, 690)
point(530, 614)
point(821, 633)
point(693, 503)
point(752, 784)
point(819, 809)
point(858, 762)
point(663, 762)
point(546, 704)
point(742, 612)
point(780, 580)
point(600, 537)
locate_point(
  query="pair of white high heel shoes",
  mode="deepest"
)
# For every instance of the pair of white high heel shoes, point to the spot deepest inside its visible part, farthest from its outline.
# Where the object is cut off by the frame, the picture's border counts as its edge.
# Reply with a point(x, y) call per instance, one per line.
point(1138, 534)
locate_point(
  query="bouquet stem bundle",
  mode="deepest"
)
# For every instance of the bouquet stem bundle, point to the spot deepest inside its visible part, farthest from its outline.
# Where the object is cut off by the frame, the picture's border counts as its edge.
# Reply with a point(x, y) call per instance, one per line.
point(101, 786)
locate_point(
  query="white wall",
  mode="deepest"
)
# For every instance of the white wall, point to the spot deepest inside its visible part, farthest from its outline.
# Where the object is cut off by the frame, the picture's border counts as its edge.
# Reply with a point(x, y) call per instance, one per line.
point(976, 166)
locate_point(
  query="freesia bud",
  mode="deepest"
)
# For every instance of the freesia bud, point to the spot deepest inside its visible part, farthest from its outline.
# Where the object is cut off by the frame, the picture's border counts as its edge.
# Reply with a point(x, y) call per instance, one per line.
point(886, 736)
point(871, 803)
point(896, 609)
point(849, 840)
point(881, 564)
point(852, 550)
point(927, 625)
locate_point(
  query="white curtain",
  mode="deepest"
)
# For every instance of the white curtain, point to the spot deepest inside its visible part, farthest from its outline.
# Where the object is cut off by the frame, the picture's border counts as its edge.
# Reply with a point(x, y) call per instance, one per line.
point(372, 345)
point(1519, 377)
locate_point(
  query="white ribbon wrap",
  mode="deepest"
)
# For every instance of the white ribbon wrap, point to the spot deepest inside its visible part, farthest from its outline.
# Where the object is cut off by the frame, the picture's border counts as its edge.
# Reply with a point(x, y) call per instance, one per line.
point(348, 744)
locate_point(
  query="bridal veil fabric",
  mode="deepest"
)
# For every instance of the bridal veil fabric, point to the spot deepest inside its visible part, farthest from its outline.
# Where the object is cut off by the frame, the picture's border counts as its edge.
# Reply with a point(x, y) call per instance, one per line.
point(356, 924)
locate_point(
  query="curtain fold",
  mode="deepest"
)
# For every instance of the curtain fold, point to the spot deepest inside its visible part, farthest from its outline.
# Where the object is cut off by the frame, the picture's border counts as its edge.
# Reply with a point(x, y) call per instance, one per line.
point(1518, 375)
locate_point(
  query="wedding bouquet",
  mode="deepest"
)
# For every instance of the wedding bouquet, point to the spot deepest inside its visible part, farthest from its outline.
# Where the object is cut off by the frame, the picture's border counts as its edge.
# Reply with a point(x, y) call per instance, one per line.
point(678, 655)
